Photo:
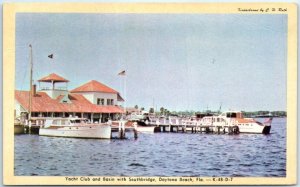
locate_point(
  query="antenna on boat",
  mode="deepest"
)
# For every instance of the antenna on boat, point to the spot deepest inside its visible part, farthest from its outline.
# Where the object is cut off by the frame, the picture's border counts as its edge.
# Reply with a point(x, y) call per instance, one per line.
point(220, 108)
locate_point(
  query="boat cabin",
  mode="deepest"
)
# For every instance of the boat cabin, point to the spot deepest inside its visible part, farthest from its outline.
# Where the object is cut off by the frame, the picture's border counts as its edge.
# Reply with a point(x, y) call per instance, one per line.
point(232, 114)
point(65, 121)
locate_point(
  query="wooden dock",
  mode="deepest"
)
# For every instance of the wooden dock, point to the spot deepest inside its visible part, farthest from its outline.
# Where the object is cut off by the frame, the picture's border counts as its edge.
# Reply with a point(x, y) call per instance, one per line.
point(161, 125)
point(179, 125)
point(123, 127)
point(197, 129)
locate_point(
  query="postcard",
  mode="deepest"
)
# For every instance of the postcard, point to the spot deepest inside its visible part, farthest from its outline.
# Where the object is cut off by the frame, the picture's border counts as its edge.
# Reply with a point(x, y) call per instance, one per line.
point(149, 93)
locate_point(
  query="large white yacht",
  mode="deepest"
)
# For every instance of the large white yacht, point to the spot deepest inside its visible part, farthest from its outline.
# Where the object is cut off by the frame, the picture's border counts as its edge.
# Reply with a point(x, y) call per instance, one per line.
point(235, 118)
point(75, 127)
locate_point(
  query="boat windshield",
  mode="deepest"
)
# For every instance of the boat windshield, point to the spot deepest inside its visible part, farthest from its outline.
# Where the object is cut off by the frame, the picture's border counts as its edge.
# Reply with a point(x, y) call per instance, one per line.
point(78, 121)
point(231, 115)
point(234, 115)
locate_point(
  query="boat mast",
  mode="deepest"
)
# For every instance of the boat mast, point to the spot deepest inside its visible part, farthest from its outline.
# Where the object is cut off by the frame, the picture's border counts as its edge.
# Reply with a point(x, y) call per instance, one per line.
point(125, 96)
point(30, 83)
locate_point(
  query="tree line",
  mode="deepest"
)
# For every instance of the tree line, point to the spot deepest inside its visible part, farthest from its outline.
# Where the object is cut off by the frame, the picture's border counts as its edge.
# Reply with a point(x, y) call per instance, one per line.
point(166, 112)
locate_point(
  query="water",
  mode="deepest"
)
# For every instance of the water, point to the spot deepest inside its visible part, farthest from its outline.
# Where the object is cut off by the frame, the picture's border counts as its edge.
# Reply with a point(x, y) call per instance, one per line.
point(159, 154)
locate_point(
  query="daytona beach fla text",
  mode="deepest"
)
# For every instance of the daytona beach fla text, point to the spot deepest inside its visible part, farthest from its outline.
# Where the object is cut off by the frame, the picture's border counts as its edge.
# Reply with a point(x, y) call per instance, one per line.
point(134, 179)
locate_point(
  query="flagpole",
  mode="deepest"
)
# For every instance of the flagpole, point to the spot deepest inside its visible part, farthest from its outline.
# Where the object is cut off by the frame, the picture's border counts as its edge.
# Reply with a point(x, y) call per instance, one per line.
point(123, 73)
point(30, 83)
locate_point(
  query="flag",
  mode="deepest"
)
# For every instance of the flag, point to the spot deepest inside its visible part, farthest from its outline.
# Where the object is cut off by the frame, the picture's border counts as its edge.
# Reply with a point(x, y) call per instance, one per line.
point(122, 73)
point(50, 56)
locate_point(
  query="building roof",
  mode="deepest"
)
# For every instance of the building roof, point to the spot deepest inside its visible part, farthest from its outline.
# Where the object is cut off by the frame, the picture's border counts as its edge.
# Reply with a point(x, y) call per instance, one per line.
point(119, 98)
point(53, 78)
point(41, 102)
point(94, 86)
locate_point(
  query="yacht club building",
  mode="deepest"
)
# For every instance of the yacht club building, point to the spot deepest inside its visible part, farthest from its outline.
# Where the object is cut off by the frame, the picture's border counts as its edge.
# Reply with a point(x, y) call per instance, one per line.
point(93, 100)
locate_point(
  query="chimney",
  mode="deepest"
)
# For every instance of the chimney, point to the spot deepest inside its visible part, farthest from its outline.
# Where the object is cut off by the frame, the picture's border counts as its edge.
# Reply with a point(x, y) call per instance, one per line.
point(34, 90)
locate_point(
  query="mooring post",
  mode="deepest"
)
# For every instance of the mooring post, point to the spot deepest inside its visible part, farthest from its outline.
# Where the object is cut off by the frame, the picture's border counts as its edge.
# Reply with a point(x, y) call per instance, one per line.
point(177, 124)
point(29, 127)
point(123, 129)
point(135, 130)
point(121, 133)
point(238, 130)
point(25, 126)
point(207, 129)
point(120, 129)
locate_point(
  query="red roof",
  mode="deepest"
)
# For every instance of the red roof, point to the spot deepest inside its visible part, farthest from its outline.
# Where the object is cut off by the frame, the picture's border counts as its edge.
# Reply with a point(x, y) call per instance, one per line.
point(41, 102)
point(94, 86)
point(53, 77)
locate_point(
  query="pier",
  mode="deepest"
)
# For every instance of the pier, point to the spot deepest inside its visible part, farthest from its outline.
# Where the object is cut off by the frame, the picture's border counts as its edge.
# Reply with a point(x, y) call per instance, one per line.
point(123, 127)
point(181, 125)
point(171, 125)
point(197, 129)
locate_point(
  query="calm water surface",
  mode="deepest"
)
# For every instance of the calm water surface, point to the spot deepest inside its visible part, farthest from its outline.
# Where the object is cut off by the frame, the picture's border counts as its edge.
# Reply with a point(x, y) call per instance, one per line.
point(159, 154)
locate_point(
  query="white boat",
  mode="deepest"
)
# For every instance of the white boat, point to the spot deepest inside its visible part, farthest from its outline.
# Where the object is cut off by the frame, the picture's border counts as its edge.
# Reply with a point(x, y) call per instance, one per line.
point(75, 127)
point(18, 127)
point(138, 116)
point(145, 129)
point(134, 125)
point(235, 118)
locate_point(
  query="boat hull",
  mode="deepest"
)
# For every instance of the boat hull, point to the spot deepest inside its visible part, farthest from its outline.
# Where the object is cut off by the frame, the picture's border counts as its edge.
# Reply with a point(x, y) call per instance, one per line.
point(145, 129)
point(19, 129)
point(266, 130)
point(87, 131)
point(256, 129)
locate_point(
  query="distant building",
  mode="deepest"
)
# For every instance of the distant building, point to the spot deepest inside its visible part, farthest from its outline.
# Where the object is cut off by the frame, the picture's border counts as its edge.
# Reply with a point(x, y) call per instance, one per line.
point(93, 100)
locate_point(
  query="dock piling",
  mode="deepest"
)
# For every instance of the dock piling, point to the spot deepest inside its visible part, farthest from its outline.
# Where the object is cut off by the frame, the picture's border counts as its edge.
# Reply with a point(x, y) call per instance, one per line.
point(122, 129)
point(135, 130)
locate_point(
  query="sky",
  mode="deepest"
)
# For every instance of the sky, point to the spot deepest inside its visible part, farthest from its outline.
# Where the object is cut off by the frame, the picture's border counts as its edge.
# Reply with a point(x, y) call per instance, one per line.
point(177, 61)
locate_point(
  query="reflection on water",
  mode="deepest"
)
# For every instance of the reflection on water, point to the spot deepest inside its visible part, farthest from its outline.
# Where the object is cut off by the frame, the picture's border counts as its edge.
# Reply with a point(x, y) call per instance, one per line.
point(159, 154)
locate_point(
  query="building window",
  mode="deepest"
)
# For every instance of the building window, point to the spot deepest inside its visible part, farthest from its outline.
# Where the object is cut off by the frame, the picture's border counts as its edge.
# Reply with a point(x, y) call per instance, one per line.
point(110, 102)
point(100, 101)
